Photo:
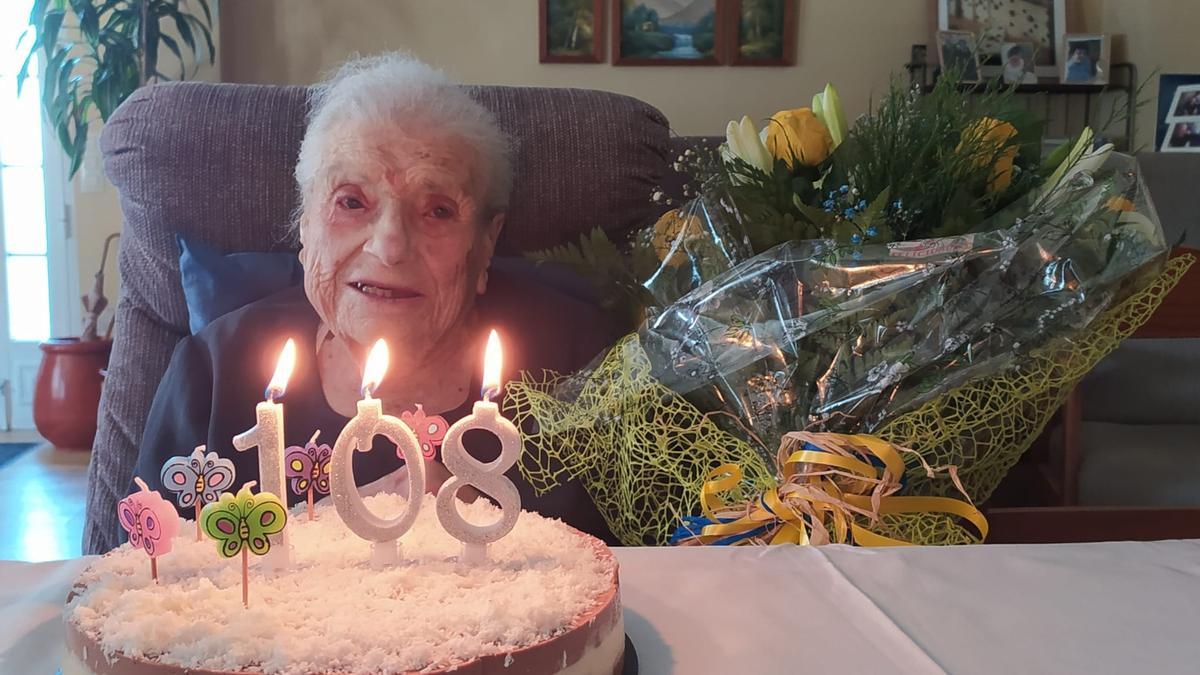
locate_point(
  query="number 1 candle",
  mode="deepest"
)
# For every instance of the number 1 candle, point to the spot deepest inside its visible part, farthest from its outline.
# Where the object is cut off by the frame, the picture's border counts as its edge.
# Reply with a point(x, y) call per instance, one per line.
point(489, 477)
point(267, 436)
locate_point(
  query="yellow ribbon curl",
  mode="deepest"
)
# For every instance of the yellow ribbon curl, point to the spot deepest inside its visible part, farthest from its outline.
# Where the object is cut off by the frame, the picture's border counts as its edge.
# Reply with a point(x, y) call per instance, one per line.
point(823, 496)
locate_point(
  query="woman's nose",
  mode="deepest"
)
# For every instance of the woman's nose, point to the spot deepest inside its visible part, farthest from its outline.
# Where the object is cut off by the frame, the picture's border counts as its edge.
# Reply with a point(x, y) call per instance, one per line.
point(390, 240)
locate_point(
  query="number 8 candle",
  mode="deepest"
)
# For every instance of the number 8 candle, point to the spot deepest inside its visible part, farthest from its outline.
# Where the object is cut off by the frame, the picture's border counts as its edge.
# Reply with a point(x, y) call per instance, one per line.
point(359, 434)
point(489, 477)
point(267, 436)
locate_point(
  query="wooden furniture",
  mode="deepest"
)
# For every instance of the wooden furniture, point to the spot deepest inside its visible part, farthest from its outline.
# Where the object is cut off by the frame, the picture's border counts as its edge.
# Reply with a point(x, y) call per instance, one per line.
point(1177, 317)
point(1067, 108)
point(1069, 524)
point(1061, 456)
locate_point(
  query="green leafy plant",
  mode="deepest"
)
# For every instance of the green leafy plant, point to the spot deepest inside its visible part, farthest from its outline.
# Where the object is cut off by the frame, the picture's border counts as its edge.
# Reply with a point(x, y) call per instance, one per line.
point(112, 50)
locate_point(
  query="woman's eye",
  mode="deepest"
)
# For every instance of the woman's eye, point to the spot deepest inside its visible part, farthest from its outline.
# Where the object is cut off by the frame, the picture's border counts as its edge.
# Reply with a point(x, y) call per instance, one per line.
point(350, 203)
point(442, 212)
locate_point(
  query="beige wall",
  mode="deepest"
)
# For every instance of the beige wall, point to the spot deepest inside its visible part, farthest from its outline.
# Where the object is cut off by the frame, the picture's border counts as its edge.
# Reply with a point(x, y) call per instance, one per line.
point(853, 43)
point(856, 44)
point(295, 41)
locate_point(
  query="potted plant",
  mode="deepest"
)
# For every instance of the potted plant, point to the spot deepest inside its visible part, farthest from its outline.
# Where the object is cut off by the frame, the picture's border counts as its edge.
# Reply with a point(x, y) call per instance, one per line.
point(114, 46)
point(66, 396)
point(96, 53)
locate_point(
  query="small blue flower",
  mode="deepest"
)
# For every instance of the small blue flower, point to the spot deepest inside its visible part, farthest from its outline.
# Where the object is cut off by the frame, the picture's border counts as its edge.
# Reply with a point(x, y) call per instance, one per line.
point(871, 231)
point(828, 204)
point(848, 213)
point(857, 255)
point(862, 204)
point(856, 239)
point(844, 189)
point(897, 205)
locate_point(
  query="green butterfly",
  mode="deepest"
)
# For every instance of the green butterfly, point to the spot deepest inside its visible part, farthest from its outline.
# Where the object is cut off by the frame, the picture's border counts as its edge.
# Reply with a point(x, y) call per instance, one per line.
point(244, 521)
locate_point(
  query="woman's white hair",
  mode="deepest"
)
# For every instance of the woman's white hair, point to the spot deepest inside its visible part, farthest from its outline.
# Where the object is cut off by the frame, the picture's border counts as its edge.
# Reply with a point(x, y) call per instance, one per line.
point(398, 89)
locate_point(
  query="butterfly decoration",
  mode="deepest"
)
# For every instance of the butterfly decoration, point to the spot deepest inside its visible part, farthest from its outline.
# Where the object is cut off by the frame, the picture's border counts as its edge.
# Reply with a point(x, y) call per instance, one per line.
point(197, 478)
point(430, 430)
point(244, 522)
point(150, 521)
point(308, 466)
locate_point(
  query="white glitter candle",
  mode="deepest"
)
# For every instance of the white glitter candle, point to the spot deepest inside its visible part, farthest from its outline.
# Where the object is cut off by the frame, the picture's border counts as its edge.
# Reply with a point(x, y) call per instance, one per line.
point(487, 477)
point(267, 436)
point(359, 434)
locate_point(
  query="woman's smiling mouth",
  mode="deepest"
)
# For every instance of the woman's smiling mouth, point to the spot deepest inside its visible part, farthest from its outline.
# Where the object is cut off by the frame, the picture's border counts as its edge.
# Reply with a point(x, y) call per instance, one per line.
point(384, 292)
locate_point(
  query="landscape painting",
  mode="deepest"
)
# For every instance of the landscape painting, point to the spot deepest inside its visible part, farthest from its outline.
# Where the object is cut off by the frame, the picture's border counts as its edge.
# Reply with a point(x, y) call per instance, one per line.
point(666, 32)
point(571, 31)
point(766, 32)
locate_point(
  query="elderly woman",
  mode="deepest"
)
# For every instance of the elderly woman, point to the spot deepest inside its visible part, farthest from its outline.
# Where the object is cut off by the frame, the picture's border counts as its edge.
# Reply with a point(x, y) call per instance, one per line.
point(403, 183)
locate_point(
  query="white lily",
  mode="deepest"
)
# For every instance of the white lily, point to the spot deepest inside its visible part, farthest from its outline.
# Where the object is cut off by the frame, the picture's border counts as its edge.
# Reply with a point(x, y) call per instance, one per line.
point(1080, 159)
point(742, 141)
point(827, 106)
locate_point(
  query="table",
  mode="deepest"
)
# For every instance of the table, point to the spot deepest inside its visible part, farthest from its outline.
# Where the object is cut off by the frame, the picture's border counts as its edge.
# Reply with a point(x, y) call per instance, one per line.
point(1118, 607)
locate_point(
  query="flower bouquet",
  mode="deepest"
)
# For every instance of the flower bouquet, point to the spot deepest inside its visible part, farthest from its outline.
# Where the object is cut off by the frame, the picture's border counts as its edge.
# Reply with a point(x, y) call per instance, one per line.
point(925, 276)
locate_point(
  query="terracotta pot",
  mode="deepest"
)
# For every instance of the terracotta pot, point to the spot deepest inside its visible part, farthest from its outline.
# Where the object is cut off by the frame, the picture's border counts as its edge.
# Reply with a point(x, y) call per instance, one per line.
point(67, 396)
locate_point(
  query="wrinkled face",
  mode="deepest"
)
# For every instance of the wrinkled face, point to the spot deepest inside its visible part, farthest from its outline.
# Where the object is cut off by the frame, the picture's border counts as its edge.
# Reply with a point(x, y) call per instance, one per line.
point(396, 242)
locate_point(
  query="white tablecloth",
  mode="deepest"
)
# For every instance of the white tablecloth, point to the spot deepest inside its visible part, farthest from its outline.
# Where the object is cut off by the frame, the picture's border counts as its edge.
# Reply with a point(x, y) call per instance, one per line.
point(1086, 608)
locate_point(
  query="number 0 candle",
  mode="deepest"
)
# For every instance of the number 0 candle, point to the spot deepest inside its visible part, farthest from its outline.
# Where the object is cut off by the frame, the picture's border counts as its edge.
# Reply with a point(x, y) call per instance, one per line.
point(359, 434)
point(489, 477)
point(267, 436)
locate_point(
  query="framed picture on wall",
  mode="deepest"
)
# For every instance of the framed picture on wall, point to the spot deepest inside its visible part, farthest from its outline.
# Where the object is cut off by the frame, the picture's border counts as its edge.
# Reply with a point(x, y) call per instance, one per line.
point(1178, 113)
point(1041, 23)
point(1085, 59)
point(957, 50)
point(763, 32)
point(668, 33)
point(571, 31)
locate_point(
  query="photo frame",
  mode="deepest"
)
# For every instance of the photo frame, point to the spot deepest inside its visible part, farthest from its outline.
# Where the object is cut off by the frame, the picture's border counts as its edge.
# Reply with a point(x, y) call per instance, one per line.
point(1085, 58)
point(1017, 63)
point(1039, 22)
point(1178, 113)
point(958, 48)
point(762, 33)
point(669, 33)
point(571, 31)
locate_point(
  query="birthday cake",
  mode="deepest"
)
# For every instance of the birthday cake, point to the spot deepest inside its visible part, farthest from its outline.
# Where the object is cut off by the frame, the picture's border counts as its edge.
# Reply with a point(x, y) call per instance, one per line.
point(545, 600)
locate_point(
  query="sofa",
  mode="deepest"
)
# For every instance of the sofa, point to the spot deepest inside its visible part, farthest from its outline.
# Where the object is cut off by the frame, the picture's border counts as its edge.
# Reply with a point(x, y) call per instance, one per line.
point(213, 163)
point(1139, 439)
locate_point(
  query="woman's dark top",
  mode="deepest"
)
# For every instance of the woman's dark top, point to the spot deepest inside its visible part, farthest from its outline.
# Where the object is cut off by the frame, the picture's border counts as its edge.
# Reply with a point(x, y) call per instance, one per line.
point(217, 377)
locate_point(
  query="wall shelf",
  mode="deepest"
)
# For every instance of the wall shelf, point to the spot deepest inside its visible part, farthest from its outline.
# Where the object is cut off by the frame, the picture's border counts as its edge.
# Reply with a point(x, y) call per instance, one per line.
point(1122, 86)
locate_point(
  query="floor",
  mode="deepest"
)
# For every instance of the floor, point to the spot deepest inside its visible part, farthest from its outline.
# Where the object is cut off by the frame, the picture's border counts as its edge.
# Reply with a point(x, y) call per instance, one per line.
point(42, 499)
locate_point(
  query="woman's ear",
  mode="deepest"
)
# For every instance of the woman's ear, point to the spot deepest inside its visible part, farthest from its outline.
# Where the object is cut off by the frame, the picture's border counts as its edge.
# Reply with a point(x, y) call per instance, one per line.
point(490, 235)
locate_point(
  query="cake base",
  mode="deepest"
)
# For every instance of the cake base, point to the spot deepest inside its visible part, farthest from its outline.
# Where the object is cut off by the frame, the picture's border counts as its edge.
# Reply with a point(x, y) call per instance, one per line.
point(418, 615)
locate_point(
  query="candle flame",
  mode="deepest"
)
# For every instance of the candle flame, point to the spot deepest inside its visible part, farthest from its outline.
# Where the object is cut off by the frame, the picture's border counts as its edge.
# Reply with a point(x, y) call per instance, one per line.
point(493, 361)
point(377, 364)
point(283, 370)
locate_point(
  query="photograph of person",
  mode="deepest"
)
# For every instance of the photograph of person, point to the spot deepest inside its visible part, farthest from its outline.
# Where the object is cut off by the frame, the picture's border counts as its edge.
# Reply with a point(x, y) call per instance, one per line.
point(958, 51)
point(1086, 59)
point(1018, 61)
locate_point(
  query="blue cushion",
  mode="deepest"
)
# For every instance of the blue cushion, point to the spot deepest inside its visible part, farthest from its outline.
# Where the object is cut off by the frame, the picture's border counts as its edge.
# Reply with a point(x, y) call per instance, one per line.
point(216, 283)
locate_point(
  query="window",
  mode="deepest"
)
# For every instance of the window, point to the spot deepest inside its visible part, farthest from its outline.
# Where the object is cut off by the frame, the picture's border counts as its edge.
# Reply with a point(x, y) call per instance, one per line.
point(22, 187)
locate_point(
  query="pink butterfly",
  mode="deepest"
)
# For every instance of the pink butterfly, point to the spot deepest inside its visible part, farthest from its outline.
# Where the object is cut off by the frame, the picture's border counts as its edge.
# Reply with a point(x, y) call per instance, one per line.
point(430, 430)
point(150, 520)
point(308, 467)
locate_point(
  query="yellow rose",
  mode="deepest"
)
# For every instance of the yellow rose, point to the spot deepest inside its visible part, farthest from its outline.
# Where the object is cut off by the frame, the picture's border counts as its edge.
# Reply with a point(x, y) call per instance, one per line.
point(672, 226)
point(1119, 204)
point(990, 139)
point(798, 137)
